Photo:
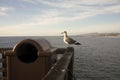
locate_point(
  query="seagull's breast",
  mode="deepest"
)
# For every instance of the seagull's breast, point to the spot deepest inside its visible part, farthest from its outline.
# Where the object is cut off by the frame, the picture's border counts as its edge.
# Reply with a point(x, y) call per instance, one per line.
point(65, 40)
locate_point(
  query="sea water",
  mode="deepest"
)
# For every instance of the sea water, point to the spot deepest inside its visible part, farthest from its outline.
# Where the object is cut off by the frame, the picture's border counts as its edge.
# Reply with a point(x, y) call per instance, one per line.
point(98, 58)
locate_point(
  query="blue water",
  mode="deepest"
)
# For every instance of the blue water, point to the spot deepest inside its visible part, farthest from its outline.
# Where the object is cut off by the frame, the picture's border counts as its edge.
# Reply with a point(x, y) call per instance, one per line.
point(98, 58)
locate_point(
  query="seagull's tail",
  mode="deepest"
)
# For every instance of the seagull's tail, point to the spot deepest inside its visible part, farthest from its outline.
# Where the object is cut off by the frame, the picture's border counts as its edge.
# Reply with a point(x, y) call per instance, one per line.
point(77, 43)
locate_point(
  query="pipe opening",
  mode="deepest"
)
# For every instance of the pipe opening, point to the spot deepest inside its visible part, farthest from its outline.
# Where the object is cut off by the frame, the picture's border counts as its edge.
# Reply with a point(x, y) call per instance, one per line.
point(27, 53)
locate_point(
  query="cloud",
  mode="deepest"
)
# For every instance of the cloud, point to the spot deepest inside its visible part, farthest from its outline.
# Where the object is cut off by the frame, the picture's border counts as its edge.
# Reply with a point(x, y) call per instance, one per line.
point(71, 3)
point(76, 4)
point(77, 9)
point(4, 10)
point(113, 9)
point(61, 11)
point(55, 16)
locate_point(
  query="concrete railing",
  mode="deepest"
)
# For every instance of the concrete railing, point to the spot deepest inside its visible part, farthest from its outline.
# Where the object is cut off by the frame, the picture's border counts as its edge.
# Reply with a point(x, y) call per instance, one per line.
point(36, 60)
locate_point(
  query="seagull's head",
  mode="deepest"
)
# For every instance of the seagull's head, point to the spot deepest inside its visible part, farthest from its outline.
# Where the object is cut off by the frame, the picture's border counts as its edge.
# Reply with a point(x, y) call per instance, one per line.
point(65, 32)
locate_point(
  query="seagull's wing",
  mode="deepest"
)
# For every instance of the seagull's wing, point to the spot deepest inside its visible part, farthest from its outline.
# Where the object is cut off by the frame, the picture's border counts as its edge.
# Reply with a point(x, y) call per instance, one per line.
point(70, 40)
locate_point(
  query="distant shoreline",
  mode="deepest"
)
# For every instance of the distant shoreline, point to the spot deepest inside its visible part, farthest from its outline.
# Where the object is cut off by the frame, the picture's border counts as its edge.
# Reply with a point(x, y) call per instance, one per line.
point(102, 34)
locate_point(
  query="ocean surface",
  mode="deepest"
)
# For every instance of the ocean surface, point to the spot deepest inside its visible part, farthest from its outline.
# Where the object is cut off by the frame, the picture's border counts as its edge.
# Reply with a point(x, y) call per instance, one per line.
point(98, 58)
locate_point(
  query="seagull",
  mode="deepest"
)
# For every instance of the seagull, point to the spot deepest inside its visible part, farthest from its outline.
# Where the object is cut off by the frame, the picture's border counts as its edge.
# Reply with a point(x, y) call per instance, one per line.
point(69, 40)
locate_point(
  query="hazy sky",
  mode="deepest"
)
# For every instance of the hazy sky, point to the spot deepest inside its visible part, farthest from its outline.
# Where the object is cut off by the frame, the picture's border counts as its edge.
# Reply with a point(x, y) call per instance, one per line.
point(51, 17)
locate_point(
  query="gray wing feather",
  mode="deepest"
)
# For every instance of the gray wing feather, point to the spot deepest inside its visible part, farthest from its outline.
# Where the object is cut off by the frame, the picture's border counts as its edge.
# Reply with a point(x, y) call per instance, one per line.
point(70, 40)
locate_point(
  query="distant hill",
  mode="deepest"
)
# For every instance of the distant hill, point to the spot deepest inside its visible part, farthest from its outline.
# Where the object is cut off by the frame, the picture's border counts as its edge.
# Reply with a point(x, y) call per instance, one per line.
point(101, 34)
